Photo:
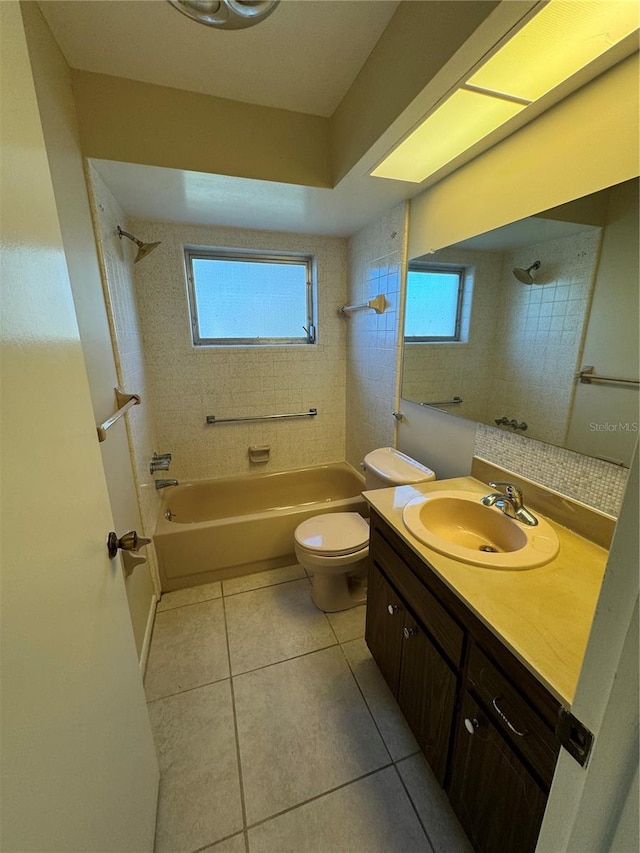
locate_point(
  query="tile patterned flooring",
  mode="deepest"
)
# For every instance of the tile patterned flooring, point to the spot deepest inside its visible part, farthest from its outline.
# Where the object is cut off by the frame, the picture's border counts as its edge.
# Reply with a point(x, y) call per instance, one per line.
point(276, 733)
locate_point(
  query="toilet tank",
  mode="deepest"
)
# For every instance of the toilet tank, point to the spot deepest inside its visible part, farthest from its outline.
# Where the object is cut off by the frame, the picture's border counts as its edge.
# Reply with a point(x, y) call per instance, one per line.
point(387, 467)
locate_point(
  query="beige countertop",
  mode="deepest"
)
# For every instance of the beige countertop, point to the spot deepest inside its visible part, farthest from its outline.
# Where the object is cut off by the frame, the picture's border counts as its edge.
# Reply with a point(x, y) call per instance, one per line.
point(543, 614)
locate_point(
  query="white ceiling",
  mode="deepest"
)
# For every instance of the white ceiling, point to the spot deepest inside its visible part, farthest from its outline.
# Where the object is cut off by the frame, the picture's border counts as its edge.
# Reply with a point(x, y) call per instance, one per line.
point(303, 57)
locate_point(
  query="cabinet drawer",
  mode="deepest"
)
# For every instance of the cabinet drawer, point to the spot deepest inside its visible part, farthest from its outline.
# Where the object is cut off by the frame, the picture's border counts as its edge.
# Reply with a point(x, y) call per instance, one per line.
point(426, 608)
point(513, 716)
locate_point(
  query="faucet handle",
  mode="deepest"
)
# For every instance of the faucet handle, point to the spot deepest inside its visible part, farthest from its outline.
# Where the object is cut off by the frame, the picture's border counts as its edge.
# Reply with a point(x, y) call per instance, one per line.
point(161, 456)
point(511, 490)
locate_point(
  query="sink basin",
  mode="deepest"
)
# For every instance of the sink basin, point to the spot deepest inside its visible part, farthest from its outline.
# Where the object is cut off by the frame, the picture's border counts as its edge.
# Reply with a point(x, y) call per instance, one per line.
point(455, 523)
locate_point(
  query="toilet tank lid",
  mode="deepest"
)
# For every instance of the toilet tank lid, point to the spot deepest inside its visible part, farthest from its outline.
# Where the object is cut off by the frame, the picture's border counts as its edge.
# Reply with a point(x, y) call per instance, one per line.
point(395, 468)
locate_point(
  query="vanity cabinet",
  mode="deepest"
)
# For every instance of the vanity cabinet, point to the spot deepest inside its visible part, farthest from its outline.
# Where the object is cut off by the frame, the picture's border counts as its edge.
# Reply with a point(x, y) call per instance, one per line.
point(486, 725)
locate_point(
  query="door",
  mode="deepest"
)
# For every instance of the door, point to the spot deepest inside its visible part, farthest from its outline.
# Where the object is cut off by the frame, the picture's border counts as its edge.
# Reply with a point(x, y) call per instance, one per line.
point(385, 620)
point(78, 764)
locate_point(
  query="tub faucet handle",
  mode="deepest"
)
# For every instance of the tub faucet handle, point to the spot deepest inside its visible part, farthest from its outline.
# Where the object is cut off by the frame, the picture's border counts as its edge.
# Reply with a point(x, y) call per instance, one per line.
point(159, 462)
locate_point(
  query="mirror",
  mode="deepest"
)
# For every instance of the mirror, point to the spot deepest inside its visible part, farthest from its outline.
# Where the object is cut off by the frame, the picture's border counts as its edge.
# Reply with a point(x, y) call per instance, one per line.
point(541, 300)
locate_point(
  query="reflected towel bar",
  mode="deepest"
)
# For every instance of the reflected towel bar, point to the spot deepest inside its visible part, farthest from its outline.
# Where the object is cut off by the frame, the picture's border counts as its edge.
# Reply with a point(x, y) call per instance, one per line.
point(212, 419)
point(124, 402)
point(587, 376)
point(452, 402)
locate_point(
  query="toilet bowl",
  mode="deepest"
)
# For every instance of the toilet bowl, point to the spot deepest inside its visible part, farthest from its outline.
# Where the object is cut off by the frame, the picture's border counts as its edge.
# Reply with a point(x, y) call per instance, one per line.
point(334, 547)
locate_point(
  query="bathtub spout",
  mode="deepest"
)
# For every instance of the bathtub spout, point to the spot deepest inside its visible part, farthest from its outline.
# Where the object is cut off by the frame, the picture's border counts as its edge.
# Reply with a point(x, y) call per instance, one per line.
point(162, 484)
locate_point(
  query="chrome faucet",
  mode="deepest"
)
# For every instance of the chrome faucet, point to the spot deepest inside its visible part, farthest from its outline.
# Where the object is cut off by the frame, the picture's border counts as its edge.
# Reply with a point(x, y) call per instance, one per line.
point(162, 484)
point(160, 462)
point(510, 501)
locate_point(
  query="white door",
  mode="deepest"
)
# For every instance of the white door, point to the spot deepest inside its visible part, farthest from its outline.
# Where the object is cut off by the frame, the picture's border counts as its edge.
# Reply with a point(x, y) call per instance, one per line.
point(78, 766)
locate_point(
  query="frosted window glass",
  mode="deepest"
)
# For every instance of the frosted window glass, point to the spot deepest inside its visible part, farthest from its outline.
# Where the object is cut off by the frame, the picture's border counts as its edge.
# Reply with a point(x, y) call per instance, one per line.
point(250, 301)
point(432, 306)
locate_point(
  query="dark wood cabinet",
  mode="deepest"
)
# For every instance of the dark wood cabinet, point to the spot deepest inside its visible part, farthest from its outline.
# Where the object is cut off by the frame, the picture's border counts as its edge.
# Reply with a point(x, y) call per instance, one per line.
point(498, 802)
point(419, 677)
point(483, 721)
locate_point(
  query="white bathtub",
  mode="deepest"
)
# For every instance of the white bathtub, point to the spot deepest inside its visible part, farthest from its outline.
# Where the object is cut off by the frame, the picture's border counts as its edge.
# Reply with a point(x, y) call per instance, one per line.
point(228, 527)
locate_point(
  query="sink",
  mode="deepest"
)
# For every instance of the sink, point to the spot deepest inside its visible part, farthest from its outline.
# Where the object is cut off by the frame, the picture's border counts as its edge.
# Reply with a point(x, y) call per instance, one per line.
point(455, 523)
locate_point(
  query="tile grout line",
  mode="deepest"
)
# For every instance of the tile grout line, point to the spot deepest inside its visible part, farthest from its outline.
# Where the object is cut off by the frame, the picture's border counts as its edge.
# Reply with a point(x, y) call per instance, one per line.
point(236, 734)
point(413, 805)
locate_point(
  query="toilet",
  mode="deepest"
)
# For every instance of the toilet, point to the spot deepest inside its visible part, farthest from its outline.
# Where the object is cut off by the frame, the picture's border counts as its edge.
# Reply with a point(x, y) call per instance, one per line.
point(334, 547)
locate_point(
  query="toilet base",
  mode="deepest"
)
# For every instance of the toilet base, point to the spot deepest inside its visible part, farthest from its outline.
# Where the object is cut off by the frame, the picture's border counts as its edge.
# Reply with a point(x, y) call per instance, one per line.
point(332, 593)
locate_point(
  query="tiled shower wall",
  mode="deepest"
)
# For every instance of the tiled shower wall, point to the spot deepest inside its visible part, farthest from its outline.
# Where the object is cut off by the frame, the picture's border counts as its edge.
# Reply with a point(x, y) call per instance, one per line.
point(187, 383)
point(376, 257)
point(117, 259)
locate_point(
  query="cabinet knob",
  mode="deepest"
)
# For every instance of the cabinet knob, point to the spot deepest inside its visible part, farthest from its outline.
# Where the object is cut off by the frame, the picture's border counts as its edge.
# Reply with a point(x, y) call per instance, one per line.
point(408, 632)
point(471, 725)
point(392, 608)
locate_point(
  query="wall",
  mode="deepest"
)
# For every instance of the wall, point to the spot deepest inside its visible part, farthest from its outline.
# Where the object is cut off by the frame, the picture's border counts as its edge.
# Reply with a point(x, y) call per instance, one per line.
point(116, 258)
point(55, 101)
point(376, 265)
point(187, 383)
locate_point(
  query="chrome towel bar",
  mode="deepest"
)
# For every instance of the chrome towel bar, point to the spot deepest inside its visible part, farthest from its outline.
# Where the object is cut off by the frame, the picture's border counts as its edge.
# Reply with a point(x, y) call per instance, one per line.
point(587, 376)
point(124, 402)
point(212, 419)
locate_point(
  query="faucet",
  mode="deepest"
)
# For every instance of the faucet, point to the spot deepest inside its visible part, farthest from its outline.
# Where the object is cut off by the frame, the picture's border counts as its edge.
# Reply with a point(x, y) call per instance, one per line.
point(510, 501)
point(162, 484)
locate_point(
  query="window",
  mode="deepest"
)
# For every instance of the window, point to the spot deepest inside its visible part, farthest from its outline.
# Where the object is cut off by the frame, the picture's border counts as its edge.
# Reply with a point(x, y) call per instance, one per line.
point(434, 303)
point(248, 298)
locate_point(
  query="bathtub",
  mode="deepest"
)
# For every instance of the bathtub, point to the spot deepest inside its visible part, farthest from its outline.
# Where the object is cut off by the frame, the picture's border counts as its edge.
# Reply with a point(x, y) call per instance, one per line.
point(211, 530)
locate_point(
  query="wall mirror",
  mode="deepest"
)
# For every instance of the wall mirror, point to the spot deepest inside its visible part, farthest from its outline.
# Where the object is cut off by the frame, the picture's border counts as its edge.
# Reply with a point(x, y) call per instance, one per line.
point(540, 302)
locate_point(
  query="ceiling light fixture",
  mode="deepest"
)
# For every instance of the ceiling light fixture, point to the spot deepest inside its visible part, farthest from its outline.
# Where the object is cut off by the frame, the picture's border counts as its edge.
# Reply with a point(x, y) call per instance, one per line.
point(226, 14)
point(563, 38)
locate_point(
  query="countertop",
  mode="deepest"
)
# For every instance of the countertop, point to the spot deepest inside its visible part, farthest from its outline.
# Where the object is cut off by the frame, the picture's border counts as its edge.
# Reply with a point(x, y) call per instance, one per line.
point(543, 615)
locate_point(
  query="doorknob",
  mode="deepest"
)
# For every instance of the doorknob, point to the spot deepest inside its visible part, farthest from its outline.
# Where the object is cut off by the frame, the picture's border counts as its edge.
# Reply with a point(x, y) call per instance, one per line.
point(129, 542)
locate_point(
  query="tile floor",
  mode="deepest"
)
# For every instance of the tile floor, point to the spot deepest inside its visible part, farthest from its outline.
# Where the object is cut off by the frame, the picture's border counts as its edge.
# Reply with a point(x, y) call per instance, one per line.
point(276, 733)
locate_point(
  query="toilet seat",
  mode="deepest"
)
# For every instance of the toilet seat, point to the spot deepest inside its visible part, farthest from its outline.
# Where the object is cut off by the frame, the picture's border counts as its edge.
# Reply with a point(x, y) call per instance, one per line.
point(333, 534)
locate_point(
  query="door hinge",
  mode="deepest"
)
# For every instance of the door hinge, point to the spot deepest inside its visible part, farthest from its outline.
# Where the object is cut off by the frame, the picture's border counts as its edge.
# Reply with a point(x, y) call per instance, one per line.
point(574, 736)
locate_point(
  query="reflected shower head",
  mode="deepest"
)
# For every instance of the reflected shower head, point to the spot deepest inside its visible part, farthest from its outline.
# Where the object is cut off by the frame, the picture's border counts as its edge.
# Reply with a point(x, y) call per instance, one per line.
point(143, 248)
point(525, 275)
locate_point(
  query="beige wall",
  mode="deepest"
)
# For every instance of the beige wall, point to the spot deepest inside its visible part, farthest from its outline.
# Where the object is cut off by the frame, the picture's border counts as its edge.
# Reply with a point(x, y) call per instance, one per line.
point(376, 264)
point(55, 101)
point(159, 126)
point(187, 383)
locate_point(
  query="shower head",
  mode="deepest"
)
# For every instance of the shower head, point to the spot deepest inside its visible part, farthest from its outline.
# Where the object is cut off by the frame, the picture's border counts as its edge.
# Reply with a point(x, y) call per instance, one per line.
point(525, 275)
point(226, 14)
point(143, 248)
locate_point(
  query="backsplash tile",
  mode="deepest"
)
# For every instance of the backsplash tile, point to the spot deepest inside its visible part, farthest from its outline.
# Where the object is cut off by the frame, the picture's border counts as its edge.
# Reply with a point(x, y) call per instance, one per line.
point(592, 481)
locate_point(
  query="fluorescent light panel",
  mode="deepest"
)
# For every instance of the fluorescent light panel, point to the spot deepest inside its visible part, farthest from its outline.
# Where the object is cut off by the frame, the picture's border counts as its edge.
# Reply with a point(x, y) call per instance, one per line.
point(562, 38)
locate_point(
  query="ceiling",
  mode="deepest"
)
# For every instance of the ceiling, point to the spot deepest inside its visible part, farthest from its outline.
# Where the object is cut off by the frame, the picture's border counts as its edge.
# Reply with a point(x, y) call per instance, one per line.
point(303, 57)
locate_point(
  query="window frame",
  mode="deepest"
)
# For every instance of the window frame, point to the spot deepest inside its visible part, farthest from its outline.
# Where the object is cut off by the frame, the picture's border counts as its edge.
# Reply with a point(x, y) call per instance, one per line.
point(461, 272)
point(251, 256)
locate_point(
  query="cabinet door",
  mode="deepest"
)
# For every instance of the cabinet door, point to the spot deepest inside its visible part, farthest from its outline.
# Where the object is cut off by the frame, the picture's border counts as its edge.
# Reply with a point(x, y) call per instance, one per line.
point(426, 695)
point(497, 801)
point(383, 633)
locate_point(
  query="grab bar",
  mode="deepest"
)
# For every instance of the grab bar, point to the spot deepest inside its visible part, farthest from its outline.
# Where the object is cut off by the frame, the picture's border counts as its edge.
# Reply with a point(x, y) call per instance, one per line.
point(587, 375)
point(212, 419)
point(124, 402)
point(452, 402)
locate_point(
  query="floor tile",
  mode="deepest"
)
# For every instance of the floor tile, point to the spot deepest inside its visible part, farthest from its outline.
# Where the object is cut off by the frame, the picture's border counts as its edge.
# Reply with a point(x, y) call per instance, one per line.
point(441, 824)
point(384, 708)
point(372, 815)
point(261, 579)
point(192, 595)
point(229, 845)
point(199, 800)
point(348, 624)
point(274, 624)
point(188, 649)
point(303, 729)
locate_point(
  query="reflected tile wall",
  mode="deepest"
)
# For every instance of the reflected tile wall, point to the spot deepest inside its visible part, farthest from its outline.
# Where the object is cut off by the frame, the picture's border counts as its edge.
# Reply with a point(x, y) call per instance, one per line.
point(187, 383)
